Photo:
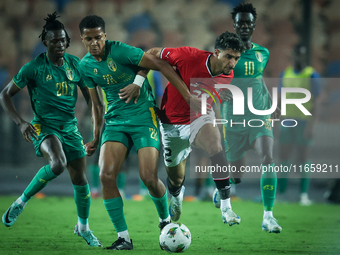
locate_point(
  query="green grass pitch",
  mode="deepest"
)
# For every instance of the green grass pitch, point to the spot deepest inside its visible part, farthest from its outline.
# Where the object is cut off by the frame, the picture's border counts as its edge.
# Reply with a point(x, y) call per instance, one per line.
point(46, 227)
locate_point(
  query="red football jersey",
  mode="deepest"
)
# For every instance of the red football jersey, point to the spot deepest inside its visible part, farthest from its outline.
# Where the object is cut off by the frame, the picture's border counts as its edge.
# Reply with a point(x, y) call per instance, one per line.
point(189, 63)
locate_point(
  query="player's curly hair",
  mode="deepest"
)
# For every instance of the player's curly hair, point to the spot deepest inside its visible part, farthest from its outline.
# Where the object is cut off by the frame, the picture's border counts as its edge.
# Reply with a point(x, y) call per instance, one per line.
point(242, 7)
point(53, 24)
point(229, 40)
point(91, 21)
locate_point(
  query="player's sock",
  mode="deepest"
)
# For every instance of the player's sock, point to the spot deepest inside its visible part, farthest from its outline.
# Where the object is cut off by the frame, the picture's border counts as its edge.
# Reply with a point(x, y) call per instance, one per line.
point(221, 178)
point(124, 234)
point(82, 197)
point(268, 187)
point(174, 191)
point(95, 177)
point(267, 214)
point(38, 182)
point(304, 182)
point(161, 206)
point(114, 207)
point(225, 203)
point(283, 179)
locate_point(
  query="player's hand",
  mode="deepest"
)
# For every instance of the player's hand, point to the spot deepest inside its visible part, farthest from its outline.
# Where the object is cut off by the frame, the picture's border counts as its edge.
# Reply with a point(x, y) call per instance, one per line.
point(91, 147)
point(28, 131)
point(277, 113)
point(226, 95)
point(129, 92)
point(195, 103)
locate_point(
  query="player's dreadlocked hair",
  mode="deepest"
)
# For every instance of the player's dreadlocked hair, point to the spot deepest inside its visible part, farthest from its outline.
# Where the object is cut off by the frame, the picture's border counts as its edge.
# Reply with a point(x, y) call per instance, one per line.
point(241, 7)
point(91, 21)
point(229, 40)
point(53, 24)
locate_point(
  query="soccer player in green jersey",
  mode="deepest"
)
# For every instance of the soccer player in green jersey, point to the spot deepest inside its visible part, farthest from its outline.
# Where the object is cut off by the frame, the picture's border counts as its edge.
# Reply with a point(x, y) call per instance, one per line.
point(240, 137)
point(113, 66)
point(52, 79)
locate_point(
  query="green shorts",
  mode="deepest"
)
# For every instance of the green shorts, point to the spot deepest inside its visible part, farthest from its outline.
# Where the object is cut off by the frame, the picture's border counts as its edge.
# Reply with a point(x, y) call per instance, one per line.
point(295, 135)
point(68, 135)
point(237, 142)
point(142, 132)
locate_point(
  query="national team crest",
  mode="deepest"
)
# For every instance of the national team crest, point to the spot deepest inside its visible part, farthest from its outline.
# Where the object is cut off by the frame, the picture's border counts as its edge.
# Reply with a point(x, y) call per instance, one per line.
point(112, 65)
point(259, 56)
point(70, 74)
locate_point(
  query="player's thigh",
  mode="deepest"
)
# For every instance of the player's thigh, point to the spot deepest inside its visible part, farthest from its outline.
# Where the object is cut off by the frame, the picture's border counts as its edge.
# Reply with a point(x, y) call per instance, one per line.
point(111, 158)
point(73, 143)
point(176, 144)
point(148, 162)
point(208, 138)
point(49, 143)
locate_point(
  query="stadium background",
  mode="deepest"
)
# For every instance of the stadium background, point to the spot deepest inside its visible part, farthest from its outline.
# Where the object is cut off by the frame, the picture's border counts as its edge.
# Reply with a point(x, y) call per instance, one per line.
point(149, 23)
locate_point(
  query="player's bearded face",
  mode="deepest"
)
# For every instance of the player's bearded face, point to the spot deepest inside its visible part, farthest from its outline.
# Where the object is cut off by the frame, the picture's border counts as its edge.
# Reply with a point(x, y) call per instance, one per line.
point(94, 41)
point(227, 60)
point(56, 43)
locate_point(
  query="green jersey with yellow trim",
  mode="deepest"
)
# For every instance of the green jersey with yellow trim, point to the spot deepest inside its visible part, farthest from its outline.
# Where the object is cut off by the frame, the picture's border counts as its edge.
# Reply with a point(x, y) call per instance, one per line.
point(115, 71)
point(52, 89)
point(248, 73)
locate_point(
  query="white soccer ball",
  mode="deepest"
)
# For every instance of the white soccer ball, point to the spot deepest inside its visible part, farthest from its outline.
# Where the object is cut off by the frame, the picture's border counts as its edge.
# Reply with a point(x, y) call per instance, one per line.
point(216, 198)
point(175, 237)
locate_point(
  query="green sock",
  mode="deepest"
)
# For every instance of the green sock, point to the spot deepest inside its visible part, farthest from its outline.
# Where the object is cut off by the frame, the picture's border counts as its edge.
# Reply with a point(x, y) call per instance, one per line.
point(268, 187)
point(161, 205)
point(95, 176)
point(82, 197)
point(121, 180)
point(114, 207)
point(304, 182)
point(283, 180)
point(38, 182)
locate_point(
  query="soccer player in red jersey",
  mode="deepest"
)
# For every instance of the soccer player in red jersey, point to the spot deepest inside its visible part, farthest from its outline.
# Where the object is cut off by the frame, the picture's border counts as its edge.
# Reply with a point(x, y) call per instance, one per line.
point(182, 127)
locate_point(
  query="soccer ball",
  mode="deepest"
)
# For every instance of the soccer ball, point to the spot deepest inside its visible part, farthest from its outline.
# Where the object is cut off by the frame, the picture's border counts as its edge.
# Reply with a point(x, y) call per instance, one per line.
point(175, 237)
point(216, 198)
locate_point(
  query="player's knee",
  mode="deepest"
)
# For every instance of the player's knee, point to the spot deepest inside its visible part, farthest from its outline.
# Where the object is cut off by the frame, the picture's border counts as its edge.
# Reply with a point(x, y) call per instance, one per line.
point(149, 181)
point(267, 159)
point(58, 166)
point(213, 149)
point(107, 178)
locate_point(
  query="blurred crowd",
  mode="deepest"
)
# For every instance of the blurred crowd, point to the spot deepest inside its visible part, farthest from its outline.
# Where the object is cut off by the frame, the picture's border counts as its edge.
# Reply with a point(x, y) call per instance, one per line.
point(150, 23)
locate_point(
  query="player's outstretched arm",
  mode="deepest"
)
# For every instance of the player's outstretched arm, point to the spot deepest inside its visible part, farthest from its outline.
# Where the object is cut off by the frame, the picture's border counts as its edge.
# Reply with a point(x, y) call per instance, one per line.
point(151, 61)
point(26, 128)
point(97, 115)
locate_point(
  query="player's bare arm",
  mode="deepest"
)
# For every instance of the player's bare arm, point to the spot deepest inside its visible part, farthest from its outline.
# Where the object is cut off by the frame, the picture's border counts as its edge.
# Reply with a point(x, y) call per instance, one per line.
point(97, 113)
point(152, 61)
point(132, 91)
point(26, 128)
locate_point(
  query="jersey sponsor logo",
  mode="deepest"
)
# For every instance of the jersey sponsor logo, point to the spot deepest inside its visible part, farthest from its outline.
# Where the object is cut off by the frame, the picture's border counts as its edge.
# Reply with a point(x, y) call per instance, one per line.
point(48, 77)
point(259, 56)
point(111, 64)
point(70, 74)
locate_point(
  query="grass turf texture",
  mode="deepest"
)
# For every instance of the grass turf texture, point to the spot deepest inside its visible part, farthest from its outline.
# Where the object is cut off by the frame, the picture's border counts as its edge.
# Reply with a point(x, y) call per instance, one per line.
point(46, 227)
